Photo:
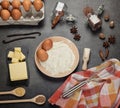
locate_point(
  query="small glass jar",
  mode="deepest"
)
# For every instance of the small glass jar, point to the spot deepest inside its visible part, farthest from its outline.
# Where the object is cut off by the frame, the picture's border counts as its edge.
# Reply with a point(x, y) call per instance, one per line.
point(58, 12)
point(93, 18)
point(94, 21)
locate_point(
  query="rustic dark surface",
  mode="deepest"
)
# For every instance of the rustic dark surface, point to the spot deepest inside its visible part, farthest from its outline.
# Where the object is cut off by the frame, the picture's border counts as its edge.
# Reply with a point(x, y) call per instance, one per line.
point(39, 83)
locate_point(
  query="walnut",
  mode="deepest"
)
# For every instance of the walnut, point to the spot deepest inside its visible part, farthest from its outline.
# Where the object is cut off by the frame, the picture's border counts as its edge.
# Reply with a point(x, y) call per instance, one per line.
point(106, 44)
point(74, 30)
point(77, 37)
point(111, 39)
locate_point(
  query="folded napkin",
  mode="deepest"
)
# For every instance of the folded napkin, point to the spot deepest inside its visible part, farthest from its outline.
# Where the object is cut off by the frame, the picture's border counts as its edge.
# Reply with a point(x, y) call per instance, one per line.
point(95, 94)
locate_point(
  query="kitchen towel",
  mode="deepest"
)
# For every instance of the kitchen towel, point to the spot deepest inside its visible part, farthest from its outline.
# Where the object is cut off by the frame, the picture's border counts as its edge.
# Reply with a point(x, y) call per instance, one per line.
point(95, 94)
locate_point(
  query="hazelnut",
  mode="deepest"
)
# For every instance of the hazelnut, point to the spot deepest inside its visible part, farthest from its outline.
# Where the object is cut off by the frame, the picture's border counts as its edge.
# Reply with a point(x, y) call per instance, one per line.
point(102, 36)
point(111, 24)
point(106, 17)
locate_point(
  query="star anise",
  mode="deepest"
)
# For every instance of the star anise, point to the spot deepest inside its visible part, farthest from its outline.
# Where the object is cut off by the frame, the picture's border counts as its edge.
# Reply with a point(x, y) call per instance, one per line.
point(106, 44)
point(111, 39)
point(74, 30)
point(77, 37)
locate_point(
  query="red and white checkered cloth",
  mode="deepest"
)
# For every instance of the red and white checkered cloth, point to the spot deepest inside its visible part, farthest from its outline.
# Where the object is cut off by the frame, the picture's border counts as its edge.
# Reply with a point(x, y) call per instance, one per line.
point(93, 94)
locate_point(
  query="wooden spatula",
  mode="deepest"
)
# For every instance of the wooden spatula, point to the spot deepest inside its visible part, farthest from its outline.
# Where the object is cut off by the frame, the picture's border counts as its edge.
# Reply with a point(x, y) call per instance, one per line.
point(86, 55)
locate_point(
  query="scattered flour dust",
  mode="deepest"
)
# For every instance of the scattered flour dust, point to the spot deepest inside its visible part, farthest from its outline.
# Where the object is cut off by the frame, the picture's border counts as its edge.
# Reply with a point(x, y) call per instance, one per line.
point(60, 58)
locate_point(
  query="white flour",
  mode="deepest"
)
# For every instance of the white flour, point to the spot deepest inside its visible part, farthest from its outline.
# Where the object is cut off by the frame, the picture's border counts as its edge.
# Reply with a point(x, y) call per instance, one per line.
point(60, 58)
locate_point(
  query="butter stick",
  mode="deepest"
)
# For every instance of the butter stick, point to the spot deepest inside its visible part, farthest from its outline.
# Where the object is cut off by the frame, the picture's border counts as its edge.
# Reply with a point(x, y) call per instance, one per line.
point(18, 71)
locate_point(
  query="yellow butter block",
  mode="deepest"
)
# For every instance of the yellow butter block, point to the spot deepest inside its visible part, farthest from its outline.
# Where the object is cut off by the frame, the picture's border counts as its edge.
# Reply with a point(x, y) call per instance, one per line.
point(10, 54)
point(18, 71)
point(22, 57)
point(17, 55)
point(14, 60)
point(17, 49)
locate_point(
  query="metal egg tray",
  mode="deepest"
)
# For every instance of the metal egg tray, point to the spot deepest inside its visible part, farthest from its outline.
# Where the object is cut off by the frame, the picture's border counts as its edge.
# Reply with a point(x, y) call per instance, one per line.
point(32, 17)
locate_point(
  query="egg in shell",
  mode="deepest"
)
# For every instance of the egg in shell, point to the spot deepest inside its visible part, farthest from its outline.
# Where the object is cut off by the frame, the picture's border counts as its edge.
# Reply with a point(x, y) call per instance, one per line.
point(16, 4)
point(38, 4)
point(5, 4)
point(16, 14)
point(27, 5)
point(42, 55)
point(5, 14)
point(47, 44)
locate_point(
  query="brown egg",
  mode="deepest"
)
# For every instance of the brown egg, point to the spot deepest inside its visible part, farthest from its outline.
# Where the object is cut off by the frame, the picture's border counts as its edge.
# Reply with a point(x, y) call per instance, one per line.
point(47, 44)
point(42, 55)
point(16, 14)
point(38, 4)
point(5, 14)
point(16, 4)
point(5, 4)
point(26, 5)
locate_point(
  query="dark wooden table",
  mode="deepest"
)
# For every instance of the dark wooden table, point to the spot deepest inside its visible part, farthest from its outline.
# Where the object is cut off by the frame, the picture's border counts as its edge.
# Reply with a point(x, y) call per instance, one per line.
point(39, 83)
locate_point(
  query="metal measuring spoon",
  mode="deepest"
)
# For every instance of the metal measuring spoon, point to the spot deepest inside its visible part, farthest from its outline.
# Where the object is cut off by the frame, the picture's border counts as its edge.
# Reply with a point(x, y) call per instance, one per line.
point(39, 100)
point(19, 92)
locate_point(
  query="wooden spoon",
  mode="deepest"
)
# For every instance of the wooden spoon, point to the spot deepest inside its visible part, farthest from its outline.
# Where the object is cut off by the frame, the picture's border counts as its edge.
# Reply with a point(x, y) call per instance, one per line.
point(19, 92)
point(39, 99)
